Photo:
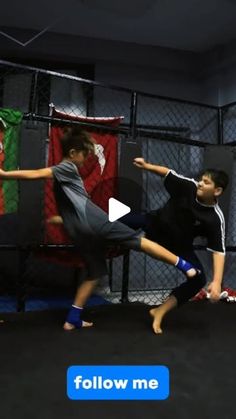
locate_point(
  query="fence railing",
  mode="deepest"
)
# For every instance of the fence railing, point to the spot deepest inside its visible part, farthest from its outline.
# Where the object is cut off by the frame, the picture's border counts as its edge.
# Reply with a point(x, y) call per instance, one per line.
point(171, 132)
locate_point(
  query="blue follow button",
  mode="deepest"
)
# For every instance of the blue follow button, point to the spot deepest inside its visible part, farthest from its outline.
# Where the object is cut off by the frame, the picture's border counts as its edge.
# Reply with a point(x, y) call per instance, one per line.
point(118, 382)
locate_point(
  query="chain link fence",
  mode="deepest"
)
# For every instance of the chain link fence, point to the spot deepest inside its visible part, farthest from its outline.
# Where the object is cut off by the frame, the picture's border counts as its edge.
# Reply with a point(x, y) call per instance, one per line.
point(228, 128)
point(170, 132)
point(178, 119)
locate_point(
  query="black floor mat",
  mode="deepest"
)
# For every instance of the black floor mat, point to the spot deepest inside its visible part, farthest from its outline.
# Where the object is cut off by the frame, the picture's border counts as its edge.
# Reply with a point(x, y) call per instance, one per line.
point(198, 345)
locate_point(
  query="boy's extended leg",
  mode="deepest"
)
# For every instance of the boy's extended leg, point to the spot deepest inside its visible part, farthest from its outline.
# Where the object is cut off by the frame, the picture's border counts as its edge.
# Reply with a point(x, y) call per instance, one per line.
point(161, 253)
point(131, 239)
point(153, 248)
point(73, 320)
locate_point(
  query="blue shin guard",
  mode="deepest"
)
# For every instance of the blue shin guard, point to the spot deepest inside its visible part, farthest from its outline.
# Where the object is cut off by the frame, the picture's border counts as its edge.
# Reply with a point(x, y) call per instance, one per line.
point(73, 317)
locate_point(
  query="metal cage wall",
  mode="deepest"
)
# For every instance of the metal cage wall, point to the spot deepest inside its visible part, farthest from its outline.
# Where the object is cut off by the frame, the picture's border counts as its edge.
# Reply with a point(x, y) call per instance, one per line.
point(171, 132)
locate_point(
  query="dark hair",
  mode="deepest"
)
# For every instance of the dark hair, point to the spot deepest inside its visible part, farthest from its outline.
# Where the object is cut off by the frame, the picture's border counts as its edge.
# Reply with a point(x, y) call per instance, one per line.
point(219, 177)
point(77, 138)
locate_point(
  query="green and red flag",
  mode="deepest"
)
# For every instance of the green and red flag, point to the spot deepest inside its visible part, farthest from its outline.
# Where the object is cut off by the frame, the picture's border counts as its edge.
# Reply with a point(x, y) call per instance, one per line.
point(9, 144)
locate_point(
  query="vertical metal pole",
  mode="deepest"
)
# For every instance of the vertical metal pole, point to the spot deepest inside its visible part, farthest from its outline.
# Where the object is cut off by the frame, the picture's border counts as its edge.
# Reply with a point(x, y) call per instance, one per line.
point(33, 96)
point(126, 257)
point(133, 115)
point(125, 278)
point(21, 280)
point(1, 91)
point(110, 273)
point(89, 99)
point(220, 127)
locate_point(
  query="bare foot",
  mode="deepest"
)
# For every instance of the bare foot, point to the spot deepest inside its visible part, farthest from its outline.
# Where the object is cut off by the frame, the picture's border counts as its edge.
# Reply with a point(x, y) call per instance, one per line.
point(68, 326)
point(191, 273)
point(157, 318)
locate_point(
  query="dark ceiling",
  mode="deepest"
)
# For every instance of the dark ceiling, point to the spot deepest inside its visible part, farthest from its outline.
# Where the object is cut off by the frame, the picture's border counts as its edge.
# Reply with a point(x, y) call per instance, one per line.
point(193, 25)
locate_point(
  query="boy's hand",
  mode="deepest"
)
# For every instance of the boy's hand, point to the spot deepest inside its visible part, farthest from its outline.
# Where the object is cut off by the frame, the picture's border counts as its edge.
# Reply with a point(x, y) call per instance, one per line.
point(214, 290)
point(140, 162)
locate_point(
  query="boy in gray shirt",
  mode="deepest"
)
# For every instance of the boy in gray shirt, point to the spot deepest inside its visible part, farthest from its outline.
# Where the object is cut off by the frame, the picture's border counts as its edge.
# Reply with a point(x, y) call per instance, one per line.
point(88, 225)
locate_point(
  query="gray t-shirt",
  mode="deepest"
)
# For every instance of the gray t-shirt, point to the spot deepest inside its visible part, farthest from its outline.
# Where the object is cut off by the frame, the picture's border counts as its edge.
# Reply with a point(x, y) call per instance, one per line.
point(81, 217)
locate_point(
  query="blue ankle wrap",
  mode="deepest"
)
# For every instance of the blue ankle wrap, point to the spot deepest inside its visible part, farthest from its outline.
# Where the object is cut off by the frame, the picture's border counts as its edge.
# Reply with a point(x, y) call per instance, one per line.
point(184, 266)
point(73, 317)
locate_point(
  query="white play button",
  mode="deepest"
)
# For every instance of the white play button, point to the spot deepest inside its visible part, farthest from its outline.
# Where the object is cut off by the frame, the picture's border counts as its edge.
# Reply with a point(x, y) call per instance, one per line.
point(116, 209)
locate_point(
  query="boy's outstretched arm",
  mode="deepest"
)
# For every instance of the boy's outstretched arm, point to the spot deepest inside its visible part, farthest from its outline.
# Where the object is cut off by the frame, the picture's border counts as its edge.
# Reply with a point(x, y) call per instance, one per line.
point(142, 164)
point(45, 173)
point(214, 288)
